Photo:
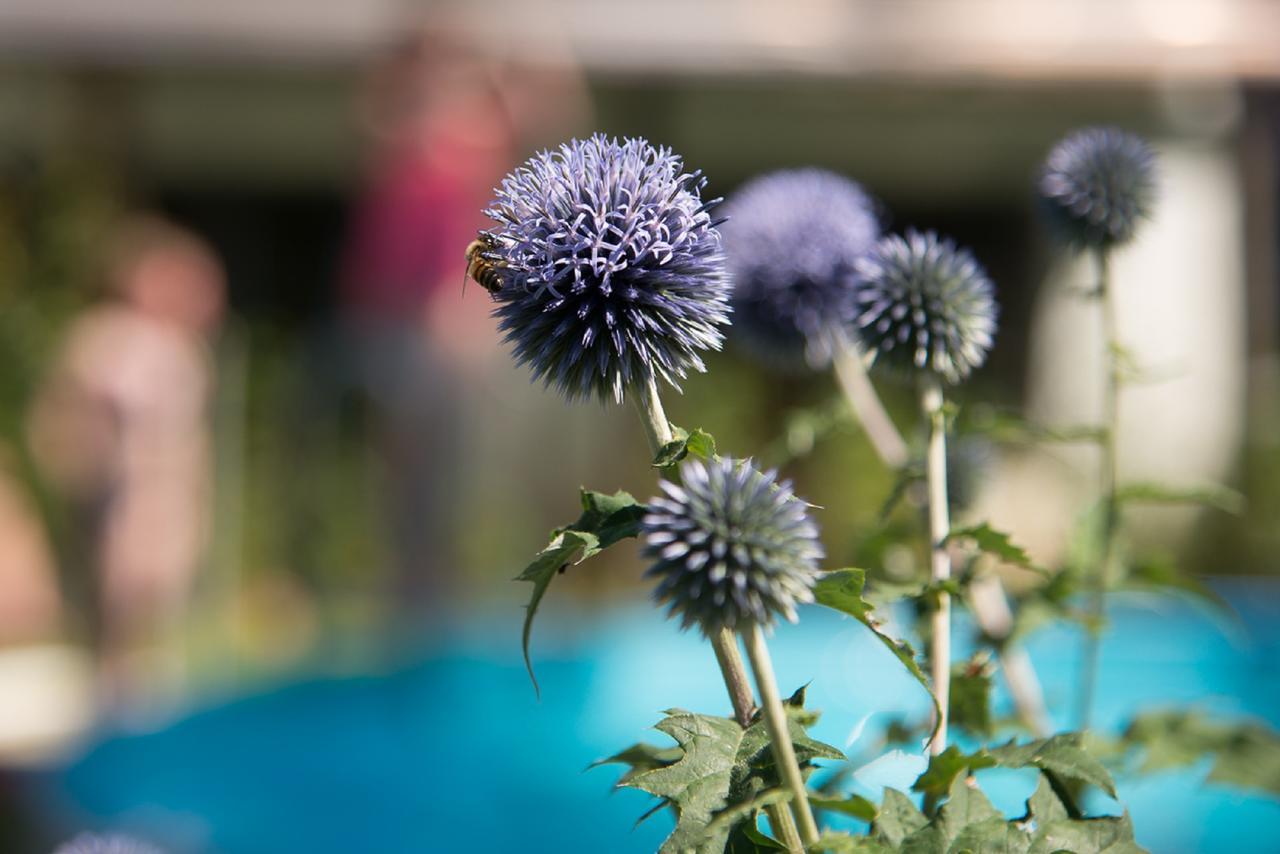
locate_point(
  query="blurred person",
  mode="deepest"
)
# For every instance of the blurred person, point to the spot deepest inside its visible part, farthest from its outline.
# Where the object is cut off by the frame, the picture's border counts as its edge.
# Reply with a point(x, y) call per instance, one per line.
point(121, 430)
point(446, 120)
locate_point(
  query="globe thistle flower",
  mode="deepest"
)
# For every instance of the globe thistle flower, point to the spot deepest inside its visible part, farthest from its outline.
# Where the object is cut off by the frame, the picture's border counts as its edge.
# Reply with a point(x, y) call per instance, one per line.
point(925, 305)
point(730, 546)
point(792, 238)
point(1098, 184)
point(90, 843)
point(610, 264)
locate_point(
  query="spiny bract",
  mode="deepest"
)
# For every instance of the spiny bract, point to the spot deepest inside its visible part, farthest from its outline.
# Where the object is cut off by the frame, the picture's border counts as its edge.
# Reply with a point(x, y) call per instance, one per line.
point(1098, 184)
point(925, 305)
point(792, 238)
point(612, 269)
point(730, 546)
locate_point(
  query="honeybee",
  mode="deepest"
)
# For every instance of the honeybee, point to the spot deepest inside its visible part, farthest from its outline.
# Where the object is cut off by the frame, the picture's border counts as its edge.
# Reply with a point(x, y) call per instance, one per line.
point(484, 263)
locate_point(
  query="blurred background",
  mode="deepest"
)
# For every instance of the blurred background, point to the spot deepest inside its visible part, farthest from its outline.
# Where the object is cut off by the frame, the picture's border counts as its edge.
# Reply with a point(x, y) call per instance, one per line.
point(266, 471)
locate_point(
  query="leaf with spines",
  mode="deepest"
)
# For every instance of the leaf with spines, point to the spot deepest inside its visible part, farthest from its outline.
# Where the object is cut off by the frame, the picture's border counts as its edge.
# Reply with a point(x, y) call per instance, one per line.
point(841, 590)
point(995, 543)
point(605, 520)
point(722, 775)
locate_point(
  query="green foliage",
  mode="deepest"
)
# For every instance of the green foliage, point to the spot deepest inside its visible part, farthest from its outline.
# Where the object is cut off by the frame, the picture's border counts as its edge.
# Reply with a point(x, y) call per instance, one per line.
point(841, 590)
point(1061, 755)
point(719, 776)
point(968, 822)
point(995, 543)
point(970, 700)
point(1008, 428)
point(605, 520)
point(1244, 753)
point(1163, 574)
point(699, 443)
point(1209, 495)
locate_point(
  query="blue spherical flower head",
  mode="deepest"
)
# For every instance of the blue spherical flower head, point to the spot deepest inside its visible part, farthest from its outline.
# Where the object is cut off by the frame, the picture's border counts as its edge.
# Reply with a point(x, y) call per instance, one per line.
point(925, 305)
point(611, 267)
point(792, 238)
point(1098, 184)
point(730, 546)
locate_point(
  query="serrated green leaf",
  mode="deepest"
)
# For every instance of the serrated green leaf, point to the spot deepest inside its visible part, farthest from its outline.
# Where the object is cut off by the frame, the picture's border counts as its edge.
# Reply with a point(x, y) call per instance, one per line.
point(898, 818)
point(1044, 806)
point(1061, 754)
point(948, 766)
point(563, 549)
point(991, 836)
point(699, 443)
point(639, 758)
point(841, 590)
point(997, 544)
point(970, 705)
point(838, 842)
point(1210, 495)
point(722, 773)
point(605, 520)
point(1108, 835)
point(851, 805)
point(747, 838)
point(965, 805)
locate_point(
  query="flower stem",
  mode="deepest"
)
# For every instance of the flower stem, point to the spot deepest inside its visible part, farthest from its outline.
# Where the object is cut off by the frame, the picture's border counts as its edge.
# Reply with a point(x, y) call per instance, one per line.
point(658, 431)
point(1097, 581)
point(991, 609)
point(775, 718)
point(865, 403)
point(939, 526)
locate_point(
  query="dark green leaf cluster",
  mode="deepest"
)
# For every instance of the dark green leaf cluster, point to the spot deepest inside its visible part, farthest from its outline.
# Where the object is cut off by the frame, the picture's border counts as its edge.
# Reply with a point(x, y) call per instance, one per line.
point(718, 777)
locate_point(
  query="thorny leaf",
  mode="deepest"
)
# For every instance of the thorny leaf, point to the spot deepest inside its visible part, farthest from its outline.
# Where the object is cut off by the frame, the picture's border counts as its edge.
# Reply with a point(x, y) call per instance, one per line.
point(605, 520)
point(841, 590)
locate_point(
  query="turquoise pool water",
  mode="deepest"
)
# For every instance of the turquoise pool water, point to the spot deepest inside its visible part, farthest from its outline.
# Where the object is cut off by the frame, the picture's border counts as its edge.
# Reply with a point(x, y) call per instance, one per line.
point(452, 751)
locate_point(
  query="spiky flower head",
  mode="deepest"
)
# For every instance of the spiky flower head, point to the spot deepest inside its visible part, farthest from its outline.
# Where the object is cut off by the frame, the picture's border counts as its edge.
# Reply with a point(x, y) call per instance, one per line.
point(730, 546)
point(925, 304)
point(1098, 184)
point(611, 267)
point(112, 843)
point(792, 238)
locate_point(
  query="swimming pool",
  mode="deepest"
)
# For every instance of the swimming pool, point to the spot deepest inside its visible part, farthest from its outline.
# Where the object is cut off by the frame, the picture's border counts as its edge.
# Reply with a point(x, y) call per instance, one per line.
point(452, 751)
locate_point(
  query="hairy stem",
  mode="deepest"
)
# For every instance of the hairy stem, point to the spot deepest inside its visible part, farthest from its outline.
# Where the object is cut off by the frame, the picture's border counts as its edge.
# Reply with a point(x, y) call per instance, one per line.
point(939, 526)
point(1097, 581)
point(658, 431)
point(775, 718)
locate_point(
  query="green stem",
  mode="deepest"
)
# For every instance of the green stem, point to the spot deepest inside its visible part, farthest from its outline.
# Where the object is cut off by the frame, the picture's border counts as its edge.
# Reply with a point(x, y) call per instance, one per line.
point(991, 610)
point(1097, 582)
point(658, 431)
point(775, 719)
point(939, 526)
point(851, 373)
